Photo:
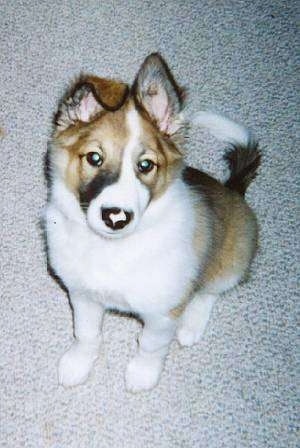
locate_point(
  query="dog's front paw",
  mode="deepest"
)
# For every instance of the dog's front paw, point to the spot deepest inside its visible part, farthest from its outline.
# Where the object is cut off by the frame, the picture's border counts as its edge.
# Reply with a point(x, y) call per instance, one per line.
point(76, 364)
point(143, 373)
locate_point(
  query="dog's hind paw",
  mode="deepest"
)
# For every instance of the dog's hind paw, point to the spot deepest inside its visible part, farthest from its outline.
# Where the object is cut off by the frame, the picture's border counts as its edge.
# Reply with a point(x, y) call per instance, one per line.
point(189, 336)
point(143, 373)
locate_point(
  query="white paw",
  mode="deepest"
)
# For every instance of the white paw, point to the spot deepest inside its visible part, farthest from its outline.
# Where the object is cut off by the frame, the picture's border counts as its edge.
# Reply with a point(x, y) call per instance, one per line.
point(143, 373)
point(76, 364)
point(189, 336)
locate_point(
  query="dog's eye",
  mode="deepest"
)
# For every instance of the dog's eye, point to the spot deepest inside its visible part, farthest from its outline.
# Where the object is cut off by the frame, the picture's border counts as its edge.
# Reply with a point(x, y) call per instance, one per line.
point(94, 158)
point(144, 166)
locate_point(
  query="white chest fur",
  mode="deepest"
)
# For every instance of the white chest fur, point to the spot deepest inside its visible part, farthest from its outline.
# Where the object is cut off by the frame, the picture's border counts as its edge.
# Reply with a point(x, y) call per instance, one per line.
point(146, 272)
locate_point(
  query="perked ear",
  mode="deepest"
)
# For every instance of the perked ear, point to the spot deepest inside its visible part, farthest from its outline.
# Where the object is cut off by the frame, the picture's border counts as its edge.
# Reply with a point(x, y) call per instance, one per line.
point(89, 96)
point(157, 92)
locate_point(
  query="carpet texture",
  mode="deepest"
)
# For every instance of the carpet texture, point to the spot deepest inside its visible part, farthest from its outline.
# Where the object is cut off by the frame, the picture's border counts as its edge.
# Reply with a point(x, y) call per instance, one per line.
point(237, 388)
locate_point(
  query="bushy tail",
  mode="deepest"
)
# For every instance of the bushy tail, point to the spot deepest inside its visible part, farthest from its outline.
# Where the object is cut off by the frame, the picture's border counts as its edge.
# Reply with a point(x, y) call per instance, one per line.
point(242, 157)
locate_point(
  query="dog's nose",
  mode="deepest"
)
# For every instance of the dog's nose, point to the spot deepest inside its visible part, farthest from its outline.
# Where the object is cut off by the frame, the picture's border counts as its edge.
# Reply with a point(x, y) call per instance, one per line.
point(116, 218)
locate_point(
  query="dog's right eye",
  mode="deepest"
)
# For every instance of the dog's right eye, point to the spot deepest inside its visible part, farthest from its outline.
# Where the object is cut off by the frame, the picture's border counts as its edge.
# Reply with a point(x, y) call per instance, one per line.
point(94, 158)
point(144, 166)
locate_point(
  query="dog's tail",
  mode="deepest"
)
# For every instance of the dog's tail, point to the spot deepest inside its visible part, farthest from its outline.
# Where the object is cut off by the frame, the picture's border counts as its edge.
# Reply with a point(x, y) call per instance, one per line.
point(242, 157)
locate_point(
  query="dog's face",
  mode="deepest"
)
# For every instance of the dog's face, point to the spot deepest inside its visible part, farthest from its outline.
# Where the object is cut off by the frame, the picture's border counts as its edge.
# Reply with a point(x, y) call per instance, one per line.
point(116, 150)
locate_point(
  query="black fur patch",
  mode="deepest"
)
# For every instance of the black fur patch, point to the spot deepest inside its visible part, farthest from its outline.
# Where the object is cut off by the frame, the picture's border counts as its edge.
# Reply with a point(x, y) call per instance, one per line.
point(94, 188)
point(243, 163)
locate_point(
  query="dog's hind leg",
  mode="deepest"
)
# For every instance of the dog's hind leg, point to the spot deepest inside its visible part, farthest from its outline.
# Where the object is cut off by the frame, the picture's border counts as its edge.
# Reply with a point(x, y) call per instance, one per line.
point(194, 319)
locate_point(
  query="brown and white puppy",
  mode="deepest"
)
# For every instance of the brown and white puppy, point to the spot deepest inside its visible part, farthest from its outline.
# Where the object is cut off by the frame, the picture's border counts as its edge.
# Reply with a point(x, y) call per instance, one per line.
point(130, 227)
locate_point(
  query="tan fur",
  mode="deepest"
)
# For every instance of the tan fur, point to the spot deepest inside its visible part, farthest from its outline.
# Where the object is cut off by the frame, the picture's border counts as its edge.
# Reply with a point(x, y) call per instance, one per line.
point(225, 236)
point(108, 135)
point(233, 240)
point(161, 150)
point(112, 93)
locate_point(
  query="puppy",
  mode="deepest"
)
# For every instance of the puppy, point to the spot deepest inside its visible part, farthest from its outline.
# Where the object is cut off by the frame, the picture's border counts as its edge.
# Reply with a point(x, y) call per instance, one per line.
point(130, 227)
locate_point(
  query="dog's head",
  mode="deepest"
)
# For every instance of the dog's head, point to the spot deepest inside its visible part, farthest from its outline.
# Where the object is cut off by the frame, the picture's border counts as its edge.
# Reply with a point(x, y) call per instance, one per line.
point(115, 147)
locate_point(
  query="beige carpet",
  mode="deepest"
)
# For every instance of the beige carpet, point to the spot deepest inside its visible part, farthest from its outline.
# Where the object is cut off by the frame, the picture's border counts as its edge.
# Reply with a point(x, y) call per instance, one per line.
point(237, 388)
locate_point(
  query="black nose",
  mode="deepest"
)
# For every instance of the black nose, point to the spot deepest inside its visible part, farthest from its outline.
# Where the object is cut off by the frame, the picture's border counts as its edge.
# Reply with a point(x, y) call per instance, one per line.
point(116, 218)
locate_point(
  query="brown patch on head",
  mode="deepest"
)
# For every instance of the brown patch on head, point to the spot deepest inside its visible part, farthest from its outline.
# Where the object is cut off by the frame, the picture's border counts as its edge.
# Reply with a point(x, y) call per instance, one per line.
point(87, 97)
point(82, 126)
point(106, 135)
point(111, 93)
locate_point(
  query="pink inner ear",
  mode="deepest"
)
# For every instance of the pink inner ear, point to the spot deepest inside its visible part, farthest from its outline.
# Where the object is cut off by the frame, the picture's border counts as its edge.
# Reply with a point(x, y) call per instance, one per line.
point(160, 109)
point(88, 107)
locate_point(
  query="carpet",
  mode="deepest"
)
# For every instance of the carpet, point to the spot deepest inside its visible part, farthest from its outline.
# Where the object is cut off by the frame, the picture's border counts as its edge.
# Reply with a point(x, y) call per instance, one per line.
point(237, 387)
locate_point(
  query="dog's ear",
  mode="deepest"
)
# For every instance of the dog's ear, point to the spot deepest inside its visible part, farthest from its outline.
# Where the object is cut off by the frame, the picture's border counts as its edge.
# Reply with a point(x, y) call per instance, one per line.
point(89, 96)
point(157, 92)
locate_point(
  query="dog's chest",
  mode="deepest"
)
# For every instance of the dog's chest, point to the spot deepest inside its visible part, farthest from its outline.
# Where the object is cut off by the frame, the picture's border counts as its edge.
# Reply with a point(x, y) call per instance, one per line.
point(144, 273)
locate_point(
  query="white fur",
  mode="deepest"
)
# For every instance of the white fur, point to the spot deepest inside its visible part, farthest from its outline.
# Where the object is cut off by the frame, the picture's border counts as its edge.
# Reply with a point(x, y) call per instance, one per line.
point(222, 127)
point(76, 364)
point(143, 372)
point(119, 269)
point(195, 318)
point(224, 284)
point(147, 271)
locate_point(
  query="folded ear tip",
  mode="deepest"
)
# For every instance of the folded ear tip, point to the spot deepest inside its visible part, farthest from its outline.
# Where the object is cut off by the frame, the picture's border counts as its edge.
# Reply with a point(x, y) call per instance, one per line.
point(86, 97)
point(110, 93)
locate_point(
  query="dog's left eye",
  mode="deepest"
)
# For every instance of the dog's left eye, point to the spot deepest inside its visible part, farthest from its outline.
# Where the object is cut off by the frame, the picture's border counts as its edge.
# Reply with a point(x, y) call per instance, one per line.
point(144, 166)
point(94, 158)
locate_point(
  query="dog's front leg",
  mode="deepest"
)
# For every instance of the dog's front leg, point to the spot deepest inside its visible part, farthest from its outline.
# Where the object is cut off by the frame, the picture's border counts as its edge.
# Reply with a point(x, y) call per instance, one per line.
point(143, 371)
point(76, 364)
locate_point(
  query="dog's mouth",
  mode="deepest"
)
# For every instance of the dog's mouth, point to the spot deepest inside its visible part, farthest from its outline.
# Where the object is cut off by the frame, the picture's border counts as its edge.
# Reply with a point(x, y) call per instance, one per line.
point(111, 235)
